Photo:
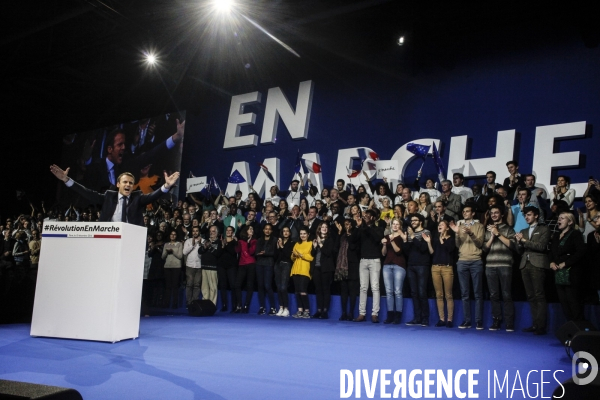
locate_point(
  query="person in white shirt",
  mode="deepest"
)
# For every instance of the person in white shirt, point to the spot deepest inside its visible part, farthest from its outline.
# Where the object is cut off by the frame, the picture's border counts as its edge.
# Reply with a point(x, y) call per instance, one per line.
point(193, 271)
point(562, 192)
point(463, 191)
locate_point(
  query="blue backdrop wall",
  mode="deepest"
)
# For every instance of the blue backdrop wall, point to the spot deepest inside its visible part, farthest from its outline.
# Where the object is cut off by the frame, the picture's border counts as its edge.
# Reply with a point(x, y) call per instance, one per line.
point(370, 105)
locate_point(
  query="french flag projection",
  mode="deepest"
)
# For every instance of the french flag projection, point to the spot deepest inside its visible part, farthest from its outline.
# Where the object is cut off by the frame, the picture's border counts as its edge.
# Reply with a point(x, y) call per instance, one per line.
point(312, 166)
point(266, 171)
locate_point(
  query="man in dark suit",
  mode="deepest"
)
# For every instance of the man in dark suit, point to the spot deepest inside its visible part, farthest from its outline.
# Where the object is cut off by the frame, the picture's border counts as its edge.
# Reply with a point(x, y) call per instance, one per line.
point(103, 174)
point(533, 244)
point(124, 205)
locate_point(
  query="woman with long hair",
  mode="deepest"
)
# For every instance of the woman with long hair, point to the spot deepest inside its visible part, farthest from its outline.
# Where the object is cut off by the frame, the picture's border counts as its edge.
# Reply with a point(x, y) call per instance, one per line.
point(589, 220)
point(303, 209)
point(246, 247)
point(443, 247)
point(283, 268)
point(284, 211)
point(562, 191)
point(172, 254)
point(425, 205)
point(324, 255)
point(346, 270)
point(302, 257)
point(394, 272)
point(325, 196)
point(321, 209)
point(567, 256)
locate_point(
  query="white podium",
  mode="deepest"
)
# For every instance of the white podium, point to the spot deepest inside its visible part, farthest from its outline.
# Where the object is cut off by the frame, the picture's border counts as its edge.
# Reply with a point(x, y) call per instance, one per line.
point(89, 283)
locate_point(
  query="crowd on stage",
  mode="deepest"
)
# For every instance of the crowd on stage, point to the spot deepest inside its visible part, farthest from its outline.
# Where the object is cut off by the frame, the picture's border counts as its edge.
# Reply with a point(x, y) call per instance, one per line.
point(349, 239)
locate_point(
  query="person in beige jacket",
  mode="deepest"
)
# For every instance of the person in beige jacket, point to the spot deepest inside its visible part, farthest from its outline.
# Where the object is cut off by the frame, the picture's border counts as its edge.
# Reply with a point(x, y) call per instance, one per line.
point(469, 241)
point(173, 254)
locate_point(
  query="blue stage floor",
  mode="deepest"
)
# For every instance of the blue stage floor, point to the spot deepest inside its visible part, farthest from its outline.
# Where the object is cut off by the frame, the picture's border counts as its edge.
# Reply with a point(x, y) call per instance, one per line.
point(233, 356)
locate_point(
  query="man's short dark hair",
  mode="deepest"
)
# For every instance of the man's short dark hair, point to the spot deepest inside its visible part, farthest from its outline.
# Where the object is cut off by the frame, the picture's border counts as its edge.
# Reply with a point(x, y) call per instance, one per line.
point(461, 176)
point(499, 207)
point(341, 180)
point(129, 174)
point(529, 175)
point(469, 206)
point(371, 213)
point(238, 192)
point(525, 190)
point(533, 209)
point(110, 139)
point(491, 172)
point(417, 215)
point(295, 180)
point(513, 162)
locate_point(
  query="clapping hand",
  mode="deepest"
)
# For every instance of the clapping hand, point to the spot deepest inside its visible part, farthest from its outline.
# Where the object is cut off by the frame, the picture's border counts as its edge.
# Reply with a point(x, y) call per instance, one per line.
point(493, 229)
point(426, 237)
point(518, 237)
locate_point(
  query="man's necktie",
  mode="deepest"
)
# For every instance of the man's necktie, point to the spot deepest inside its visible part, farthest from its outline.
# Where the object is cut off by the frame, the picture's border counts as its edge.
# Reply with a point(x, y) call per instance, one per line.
point(124, 209)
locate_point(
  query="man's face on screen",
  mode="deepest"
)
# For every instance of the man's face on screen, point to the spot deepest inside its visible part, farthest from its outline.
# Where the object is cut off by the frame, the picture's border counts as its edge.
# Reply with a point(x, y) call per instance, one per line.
point(125, 185)
point(115, 152)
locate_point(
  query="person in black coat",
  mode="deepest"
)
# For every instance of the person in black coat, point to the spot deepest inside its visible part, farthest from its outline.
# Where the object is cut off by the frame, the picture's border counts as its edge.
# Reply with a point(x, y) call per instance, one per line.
point(567, 251)
point(324, 254)
point(283, 268)
point(266, 254)
point(227, 264)
point(124, 205)
point(593, 273)
point(346, 271)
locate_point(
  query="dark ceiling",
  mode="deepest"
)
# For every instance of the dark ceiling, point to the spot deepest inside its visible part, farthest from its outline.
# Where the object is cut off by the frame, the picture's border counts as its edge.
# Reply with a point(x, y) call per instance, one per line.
point(72, 65)
point(76, 64)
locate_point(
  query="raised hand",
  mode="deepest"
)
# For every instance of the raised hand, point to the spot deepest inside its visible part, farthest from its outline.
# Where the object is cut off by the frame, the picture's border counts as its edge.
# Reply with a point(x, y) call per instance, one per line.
point(59, 173)
point(170, 180)
point(426, 237)
point(453, 226)
point(338, 226)
point(178, 136)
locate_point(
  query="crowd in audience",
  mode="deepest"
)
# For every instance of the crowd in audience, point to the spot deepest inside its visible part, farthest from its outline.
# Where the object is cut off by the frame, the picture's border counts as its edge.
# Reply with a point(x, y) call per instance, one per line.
point(351, 240)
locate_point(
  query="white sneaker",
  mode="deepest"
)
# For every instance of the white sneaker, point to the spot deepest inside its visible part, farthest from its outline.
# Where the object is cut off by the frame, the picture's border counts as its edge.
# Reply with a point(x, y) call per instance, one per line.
point(279, 312)
point(285, 313)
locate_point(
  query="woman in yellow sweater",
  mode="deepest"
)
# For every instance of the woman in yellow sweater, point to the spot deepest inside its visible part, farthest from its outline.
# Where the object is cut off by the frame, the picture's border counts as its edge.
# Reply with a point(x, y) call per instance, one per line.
point(301, 255)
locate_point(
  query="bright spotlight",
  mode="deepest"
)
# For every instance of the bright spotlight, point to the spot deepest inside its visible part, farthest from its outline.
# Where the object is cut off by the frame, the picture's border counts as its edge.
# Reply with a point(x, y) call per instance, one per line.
point(400, 41)
point(150, 59)
point(223, 5)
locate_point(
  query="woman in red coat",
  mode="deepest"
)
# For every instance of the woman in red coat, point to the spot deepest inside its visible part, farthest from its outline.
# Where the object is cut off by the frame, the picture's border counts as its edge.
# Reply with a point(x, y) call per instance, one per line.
point(246, 247)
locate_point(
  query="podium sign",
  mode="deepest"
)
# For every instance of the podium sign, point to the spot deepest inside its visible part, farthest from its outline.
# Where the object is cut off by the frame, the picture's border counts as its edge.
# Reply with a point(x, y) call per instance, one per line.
point(89, 283)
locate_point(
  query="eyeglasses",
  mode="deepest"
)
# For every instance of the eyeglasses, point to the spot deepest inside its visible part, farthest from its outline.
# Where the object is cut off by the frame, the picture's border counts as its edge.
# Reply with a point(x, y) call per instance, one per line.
point(415, 220)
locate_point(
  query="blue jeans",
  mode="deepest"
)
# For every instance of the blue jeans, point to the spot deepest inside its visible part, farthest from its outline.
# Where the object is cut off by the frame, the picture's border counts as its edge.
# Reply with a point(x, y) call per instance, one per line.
point(473, 270)
point(393, 278)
